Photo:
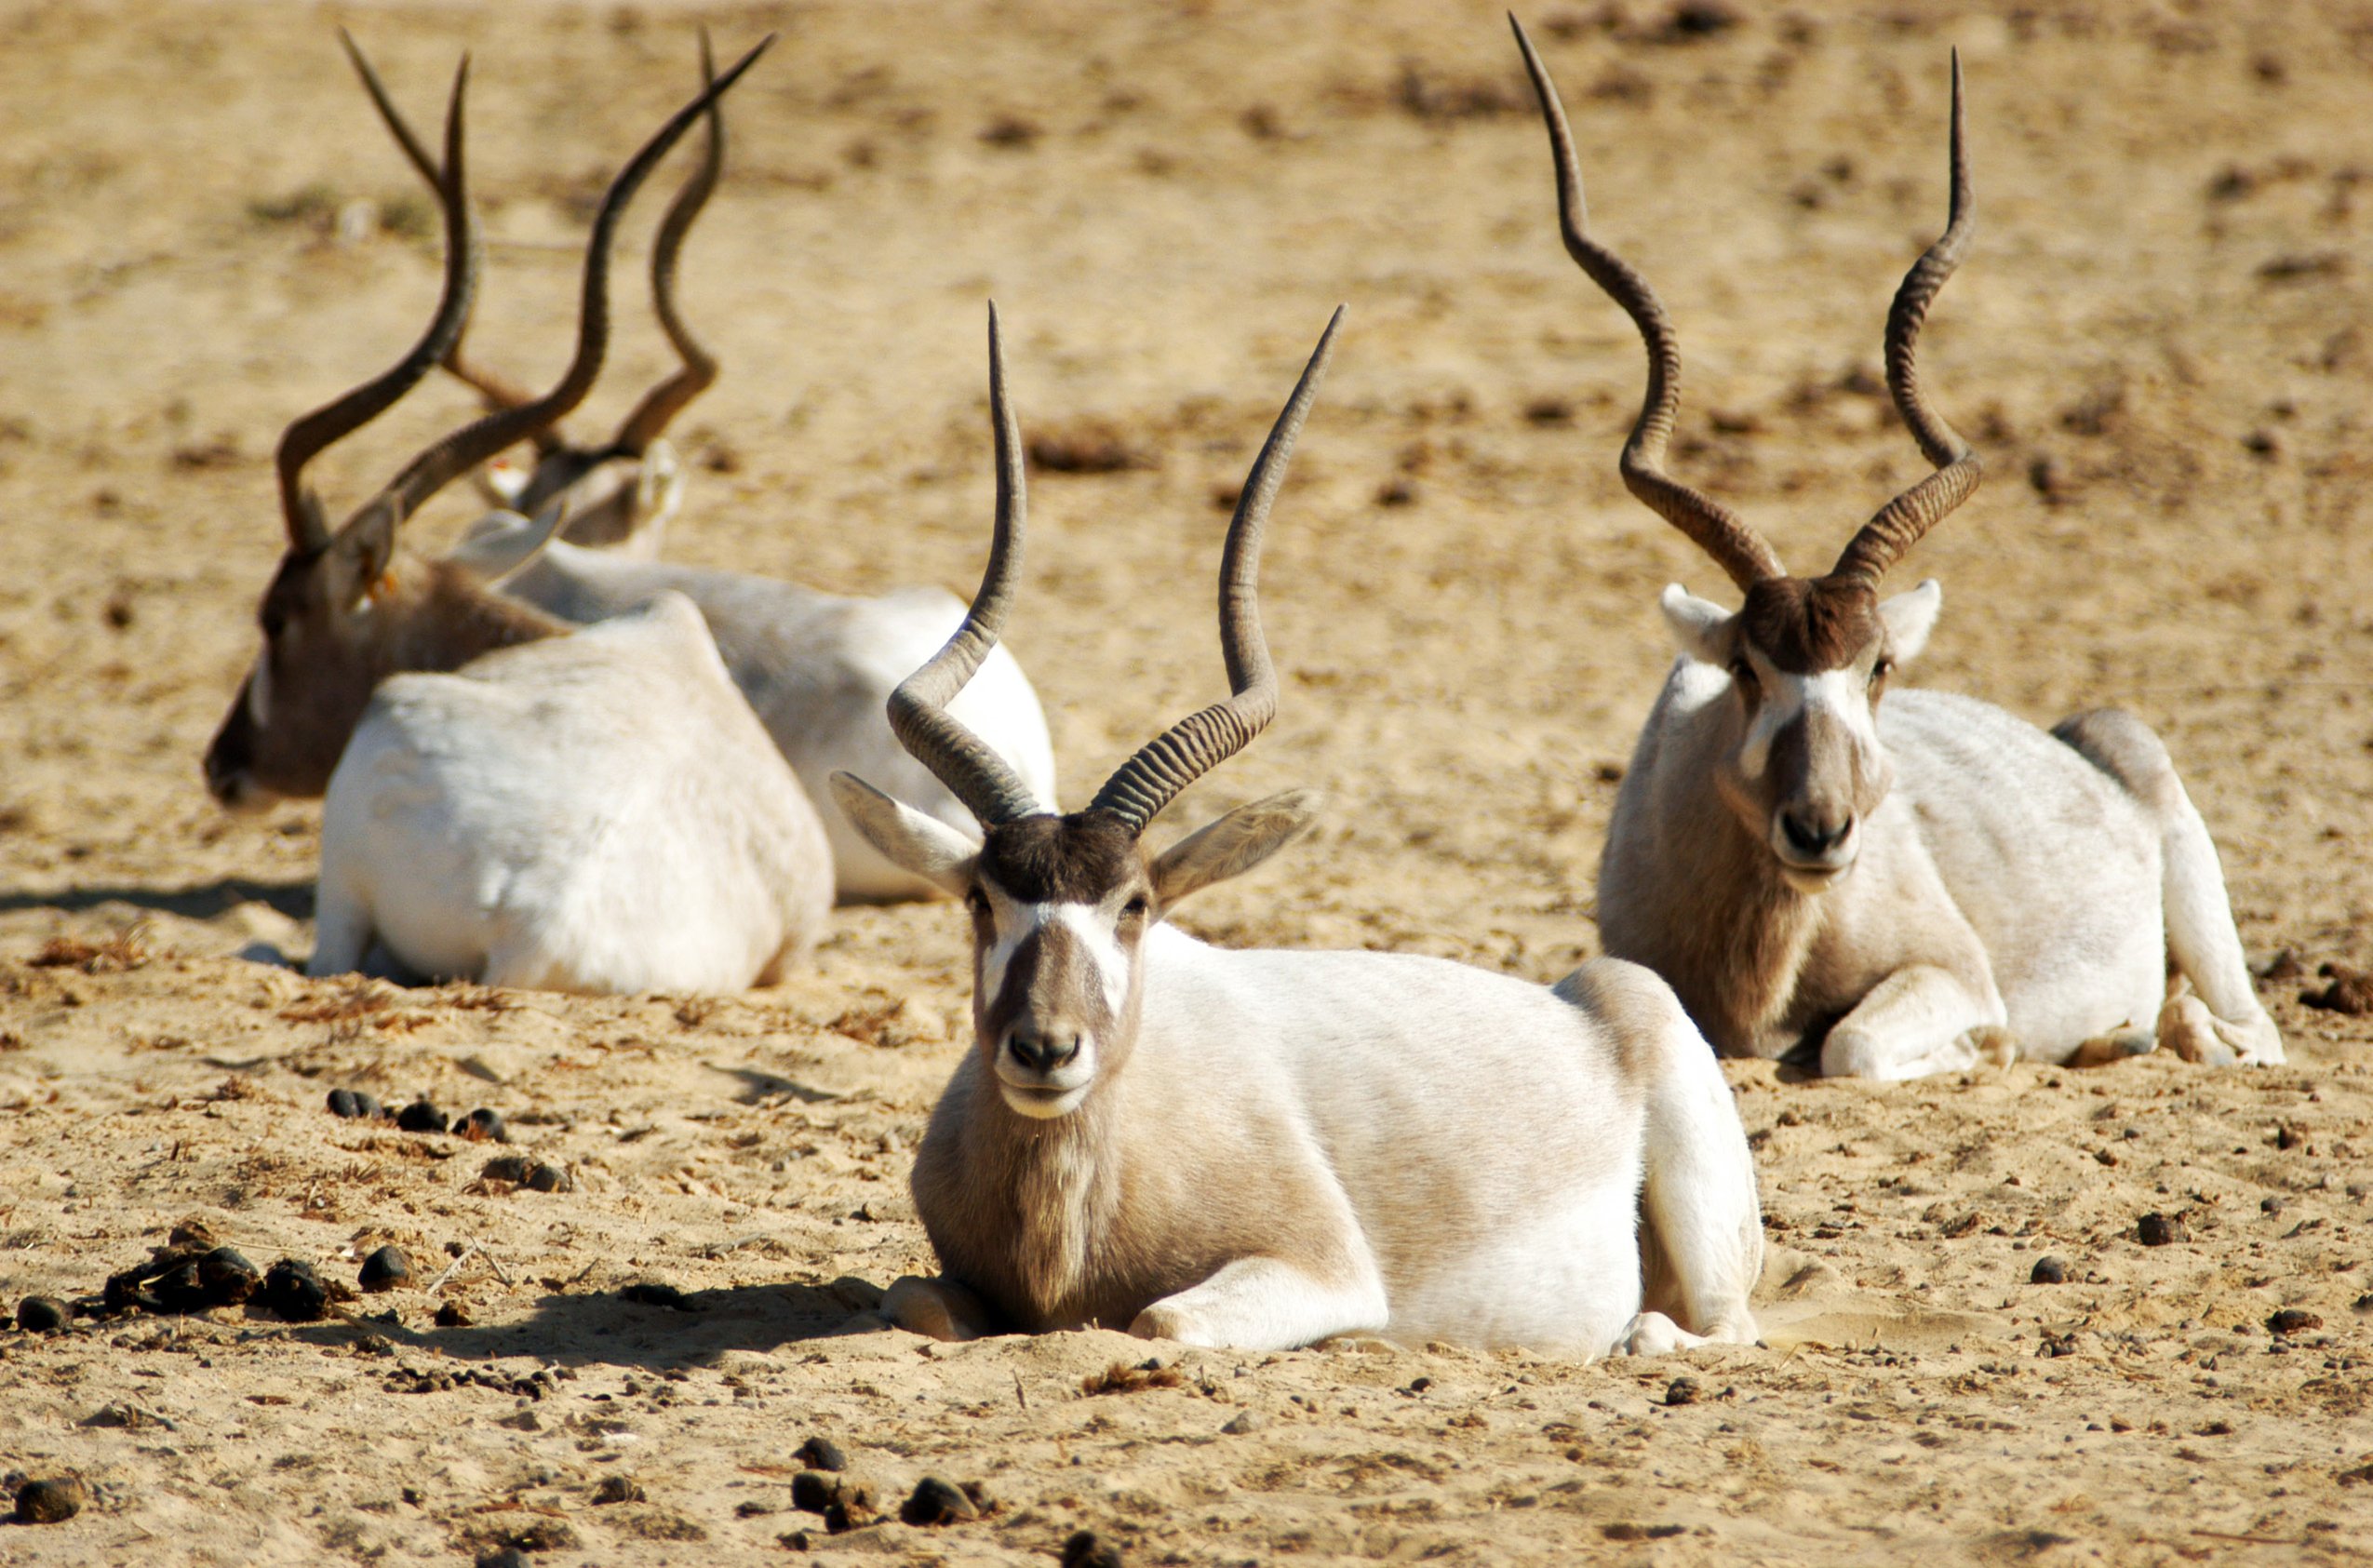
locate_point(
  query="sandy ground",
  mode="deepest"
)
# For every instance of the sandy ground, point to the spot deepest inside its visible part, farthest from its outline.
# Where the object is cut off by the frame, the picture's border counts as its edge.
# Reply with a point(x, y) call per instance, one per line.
point(2161, 344)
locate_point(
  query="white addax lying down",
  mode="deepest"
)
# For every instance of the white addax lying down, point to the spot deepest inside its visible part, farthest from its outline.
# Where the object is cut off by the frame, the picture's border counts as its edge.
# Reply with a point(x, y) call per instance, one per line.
point(1905, 887)
point(515, 803)
point(1263, 1149)
point(818, 668)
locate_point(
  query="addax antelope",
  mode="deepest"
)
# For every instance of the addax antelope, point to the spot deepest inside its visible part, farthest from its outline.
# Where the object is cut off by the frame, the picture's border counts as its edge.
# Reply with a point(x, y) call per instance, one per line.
point(519, 804)
point(1906, 885)
point(817, 667)
point(1267, 1149)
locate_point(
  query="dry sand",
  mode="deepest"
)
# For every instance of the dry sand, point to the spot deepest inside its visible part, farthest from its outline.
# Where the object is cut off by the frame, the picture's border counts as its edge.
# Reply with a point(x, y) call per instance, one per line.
point(2160, 345)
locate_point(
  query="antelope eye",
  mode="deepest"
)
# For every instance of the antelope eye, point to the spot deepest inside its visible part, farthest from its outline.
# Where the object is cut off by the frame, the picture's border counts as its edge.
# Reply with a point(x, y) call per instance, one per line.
point(1136, 908)
point(1881, 670)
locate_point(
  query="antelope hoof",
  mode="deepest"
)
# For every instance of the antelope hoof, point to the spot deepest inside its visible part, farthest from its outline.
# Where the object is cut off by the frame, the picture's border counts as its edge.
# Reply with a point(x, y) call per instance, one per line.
point(919, 1305)
point(1992, 1045)
point(2116, 1046)
point(1653, 1333)
point(1161, 1321)
point(2197, 1034)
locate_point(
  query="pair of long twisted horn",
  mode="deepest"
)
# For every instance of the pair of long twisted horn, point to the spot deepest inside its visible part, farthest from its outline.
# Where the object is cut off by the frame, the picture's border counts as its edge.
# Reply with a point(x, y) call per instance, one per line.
point(462, 449)
point(697, 372)
point(1166, 765)
point(1735, 544)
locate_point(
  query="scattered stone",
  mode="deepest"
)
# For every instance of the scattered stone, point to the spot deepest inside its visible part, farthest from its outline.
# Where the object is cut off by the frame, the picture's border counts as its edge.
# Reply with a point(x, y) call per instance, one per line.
point(1087, 1549)
point(483, 1126)
point(1244, 1422)
point(618, 1488)
point(385, 1269)
point(821, 1453)
point(2158, 1230)
point(291, 1290)
point(421, 1117)
point(2048, 1270)
point(1681, 1390)
point(452, 1314)
point(937, 1502)
point(754, 1509)
point(522, 1421)
point(41, 1314)
point(812, 1491)
point(2271, 1204)
point(2293, 1320)
point(651, 1293)
point(794, 1540)
point(49, 1502)
point(353, 1105)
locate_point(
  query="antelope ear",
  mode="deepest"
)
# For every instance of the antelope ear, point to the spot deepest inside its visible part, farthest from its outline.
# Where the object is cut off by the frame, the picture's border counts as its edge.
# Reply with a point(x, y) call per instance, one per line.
point(1234, 844)
point(924, 845)
point(1697, 625)
point(367, 543)
point(500, 545)
point(1911, 617)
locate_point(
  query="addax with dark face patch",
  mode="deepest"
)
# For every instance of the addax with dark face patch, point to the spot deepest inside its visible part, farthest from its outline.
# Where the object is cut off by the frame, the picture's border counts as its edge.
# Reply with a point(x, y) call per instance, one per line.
point(507, 800)
point(1909, 884)
point(1266, 1149)
point(816, 667)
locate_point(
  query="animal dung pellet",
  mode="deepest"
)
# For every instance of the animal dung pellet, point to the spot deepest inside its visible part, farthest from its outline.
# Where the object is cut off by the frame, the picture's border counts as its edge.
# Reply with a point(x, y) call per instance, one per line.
point(2158, 1230)
point(353, 1104)
point(384, 1269)
point(812, 1491)
point(545, 1177)
point(227, 1277)
point(936, 1501)
point(1088, 1549)
point(512, 1168)
point(821, 1453)
point(1681, 1390)
point(651, 1293)
point(49, 1502)
point(452, 1314)
point(618, 1488)
point(41, 1314)
point(2293, 1320)
point(483, 1126)
point(2047, 1271)
point(291, 1290)
point(421, 1116)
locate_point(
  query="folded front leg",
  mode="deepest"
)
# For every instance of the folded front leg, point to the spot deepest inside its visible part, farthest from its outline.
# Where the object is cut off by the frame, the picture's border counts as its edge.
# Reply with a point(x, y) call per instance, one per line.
point(1919, 1020)
point(1266, 1304)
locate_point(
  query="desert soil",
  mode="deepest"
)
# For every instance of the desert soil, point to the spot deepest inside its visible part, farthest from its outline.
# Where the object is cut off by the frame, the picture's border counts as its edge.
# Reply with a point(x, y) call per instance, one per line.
point(2159, 345)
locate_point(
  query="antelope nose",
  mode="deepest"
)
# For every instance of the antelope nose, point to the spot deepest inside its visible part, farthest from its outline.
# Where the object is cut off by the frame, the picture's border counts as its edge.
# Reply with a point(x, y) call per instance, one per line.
point(1044, 1051)
point(1814, 837)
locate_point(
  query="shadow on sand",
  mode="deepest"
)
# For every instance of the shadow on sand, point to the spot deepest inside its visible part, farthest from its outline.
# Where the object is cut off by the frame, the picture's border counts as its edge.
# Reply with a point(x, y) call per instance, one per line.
point(201, 902)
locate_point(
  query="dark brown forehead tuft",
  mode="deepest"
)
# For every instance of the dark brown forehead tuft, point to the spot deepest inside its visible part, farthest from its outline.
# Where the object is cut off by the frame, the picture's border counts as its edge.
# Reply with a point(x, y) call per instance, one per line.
point(1805, 625)
point(1076, 859)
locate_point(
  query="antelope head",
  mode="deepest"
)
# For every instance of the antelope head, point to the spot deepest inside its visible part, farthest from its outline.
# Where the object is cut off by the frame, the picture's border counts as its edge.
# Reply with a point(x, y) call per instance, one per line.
point(348, 607)
point(1809, 657)
point(1061, 902)
point(624, 490)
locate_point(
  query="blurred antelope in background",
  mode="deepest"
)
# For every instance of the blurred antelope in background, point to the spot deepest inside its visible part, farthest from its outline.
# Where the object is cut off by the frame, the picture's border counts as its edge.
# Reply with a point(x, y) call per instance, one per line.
point(1263, 1149)
point(817, 667)
point(1906, 886)
point(509, 800)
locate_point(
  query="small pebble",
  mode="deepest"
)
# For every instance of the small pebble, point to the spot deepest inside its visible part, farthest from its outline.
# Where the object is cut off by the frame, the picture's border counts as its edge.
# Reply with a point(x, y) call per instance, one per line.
point(821, 1453)
point(292, 1291)
point(49, 1502)
point(41, 1314)
point(618, 1488)
point(793, 1540)
point(483, 1126)
point(937, 1502)
point(1681, 1390)
point(385, 1269)
point(2048, 1270)
point(353, 1104)
point(2293, 1320)
point(2272, 1205)
point(1244, 1421)
point(421, 1116)
point(452, 1314)
point(1087, 1549)
point(2158, 1230)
